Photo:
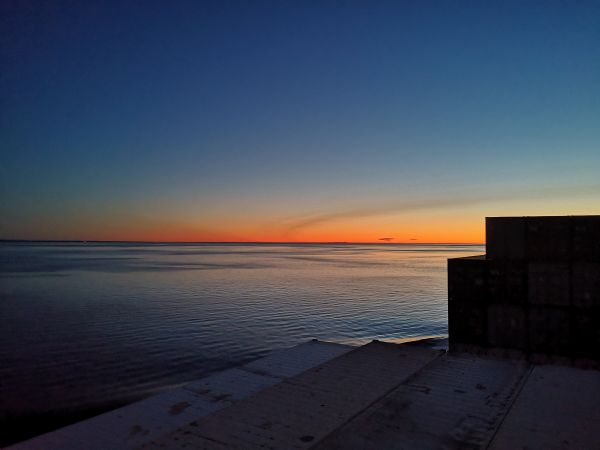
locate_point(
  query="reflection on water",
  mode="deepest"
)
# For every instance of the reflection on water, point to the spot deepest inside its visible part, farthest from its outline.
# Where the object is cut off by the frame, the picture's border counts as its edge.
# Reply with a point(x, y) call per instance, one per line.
point(84, 324)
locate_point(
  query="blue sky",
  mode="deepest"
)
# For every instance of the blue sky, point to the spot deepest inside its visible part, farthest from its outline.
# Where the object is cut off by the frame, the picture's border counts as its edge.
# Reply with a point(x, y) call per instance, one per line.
point(188, 118)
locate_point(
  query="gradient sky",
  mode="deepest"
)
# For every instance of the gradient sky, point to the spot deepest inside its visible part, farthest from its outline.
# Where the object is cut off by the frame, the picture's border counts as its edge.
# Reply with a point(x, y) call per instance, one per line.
point(295, 121)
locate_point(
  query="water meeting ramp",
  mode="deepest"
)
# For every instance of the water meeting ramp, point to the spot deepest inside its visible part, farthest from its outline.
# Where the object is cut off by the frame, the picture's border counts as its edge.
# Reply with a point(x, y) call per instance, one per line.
point(141, 422)
point(379, 396)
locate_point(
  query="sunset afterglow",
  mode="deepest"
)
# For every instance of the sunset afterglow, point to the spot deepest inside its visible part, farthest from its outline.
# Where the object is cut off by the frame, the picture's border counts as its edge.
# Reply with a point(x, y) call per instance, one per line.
point(222, 221)
point(305, 123)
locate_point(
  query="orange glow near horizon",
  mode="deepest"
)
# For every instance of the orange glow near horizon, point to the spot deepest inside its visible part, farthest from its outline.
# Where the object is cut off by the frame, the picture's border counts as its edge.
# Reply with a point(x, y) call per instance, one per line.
point(295, 123)
point(366, 230)
point(182, 223)
point(174, 236)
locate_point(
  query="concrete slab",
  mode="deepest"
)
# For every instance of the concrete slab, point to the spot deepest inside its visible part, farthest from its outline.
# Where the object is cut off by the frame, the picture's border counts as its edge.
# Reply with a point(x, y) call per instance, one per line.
point(129, 426)
point(302, 410)
point(379, 396)
point(287, 363)
point(141, 422)
point(230, 385)
point(558, 408)
point(457, 401)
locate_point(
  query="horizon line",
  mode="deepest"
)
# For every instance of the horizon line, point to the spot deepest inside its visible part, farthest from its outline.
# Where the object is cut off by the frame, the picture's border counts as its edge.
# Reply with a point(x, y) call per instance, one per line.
point(96, 241)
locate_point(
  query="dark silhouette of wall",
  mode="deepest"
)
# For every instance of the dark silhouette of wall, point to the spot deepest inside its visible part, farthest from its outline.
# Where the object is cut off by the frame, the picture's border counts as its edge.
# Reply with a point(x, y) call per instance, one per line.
point(535, 294)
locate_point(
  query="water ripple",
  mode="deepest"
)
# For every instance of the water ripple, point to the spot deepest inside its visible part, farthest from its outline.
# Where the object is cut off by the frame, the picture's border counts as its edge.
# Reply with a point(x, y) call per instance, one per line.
point(86, 324)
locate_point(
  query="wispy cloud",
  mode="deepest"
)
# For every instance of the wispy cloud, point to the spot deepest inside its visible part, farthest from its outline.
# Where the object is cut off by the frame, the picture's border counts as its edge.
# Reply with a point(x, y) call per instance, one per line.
point(442, 202)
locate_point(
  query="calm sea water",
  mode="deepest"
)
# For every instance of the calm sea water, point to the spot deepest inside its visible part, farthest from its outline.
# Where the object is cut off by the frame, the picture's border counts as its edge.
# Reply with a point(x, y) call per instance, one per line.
point(90, 324)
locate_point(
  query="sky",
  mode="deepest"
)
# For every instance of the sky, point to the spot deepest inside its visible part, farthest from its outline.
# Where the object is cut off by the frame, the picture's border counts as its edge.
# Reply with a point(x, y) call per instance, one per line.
point(295, 121)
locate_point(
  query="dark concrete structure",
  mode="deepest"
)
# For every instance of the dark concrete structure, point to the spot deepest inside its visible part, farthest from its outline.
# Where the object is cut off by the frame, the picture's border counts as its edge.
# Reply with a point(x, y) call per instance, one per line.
point(535, 294)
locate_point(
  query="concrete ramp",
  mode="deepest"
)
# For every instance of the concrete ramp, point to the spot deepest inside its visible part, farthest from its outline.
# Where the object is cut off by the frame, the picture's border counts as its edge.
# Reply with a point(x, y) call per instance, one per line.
point(457, 401)
point(143, 421)
point(377, 397)
point(558, 408)
point(302, 410)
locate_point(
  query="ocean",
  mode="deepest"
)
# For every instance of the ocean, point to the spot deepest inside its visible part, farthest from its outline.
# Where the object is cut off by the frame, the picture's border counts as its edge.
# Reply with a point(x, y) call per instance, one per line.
point(85, 327)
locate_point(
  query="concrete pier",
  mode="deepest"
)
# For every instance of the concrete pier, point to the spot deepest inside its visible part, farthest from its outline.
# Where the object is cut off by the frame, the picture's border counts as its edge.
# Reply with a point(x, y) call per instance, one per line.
point(388, 396)
point(378, 396)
